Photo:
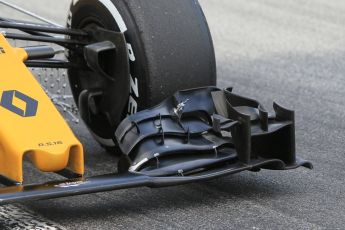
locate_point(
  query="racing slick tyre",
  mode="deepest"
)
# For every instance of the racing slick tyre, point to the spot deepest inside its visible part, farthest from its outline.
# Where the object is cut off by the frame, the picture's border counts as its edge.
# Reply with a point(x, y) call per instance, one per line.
point(169, 47)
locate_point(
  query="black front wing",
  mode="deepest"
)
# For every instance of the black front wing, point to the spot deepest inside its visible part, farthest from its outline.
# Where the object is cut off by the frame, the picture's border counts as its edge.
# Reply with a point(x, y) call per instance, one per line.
point(193, 136)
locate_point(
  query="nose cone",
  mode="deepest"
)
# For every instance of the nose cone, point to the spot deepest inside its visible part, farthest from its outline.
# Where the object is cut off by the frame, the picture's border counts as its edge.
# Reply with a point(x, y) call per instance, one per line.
point(48, 161)
point(30, 123)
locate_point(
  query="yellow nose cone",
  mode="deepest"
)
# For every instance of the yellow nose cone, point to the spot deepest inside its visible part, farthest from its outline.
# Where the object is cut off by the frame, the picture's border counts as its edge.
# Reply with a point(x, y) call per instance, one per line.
point(30, 125)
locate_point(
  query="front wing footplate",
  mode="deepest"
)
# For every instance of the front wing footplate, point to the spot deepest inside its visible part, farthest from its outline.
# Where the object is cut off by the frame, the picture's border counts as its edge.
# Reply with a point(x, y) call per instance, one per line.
point(195, 135)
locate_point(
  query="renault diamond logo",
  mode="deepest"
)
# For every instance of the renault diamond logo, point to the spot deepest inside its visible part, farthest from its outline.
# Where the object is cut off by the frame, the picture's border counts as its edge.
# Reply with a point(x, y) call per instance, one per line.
point(29, 108)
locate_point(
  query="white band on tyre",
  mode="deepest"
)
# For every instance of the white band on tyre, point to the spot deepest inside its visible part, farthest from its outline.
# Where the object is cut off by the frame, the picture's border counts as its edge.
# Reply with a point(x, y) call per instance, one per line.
point(115, 13)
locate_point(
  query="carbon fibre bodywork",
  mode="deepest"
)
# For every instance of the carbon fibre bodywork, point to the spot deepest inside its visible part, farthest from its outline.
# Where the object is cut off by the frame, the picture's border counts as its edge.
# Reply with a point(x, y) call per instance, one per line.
point(199, 128)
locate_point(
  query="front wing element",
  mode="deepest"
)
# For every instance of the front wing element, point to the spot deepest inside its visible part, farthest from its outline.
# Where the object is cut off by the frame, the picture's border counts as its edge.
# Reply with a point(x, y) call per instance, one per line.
point(128, 180)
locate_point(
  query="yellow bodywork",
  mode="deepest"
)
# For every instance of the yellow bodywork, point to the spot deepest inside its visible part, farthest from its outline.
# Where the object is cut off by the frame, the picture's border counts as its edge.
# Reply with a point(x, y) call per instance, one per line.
point(37, 131)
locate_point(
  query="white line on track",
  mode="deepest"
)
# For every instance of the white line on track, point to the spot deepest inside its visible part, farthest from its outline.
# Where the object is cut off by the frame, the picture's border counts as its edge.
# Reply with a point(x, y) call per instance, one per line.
point(18, 218)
